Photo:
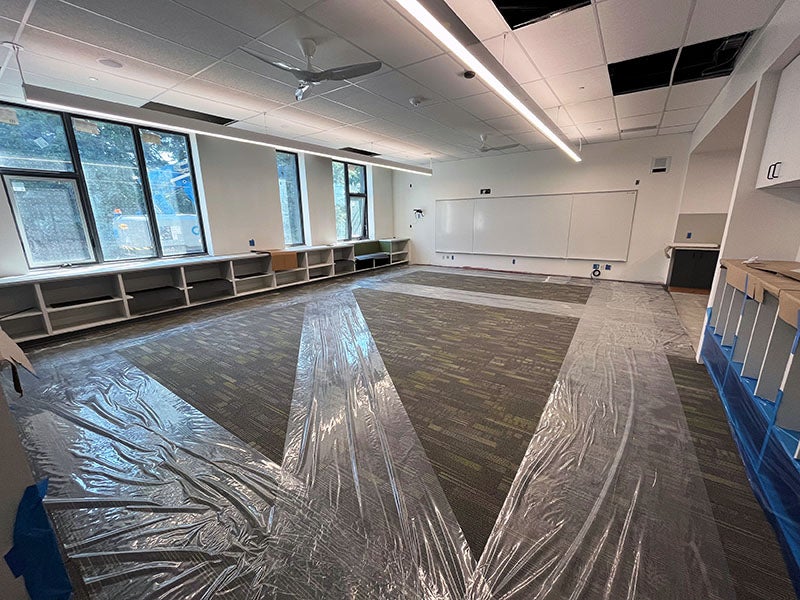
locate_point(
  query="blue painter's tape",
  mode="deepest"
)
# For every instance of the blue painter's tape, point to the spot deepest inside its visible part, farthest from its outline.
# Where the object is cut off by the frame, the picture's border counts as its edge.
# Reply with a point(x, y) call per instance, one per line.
point(35, 554)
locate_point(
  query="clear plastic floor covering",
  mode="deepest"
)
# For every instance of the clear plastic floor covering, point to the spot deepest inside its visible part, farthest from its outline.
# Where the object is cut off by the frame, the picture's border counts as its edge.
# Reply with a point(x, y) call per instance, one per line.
point(153, 500)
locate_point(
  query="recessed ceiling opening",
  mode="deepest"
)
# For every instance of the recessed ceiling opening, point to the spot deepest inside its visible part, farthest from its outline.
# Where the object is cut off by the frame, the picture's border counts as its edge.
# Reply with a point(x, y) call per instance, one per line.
point(519, 14)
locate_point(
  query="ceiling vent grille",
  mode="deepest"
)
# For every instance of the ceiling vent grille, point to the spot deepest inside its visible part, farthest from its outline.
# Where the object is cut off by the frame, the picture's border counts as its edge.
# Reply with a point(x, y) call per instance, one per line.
point(359, 151)
point(191, 114)
point(638, 129)
point(661, 165)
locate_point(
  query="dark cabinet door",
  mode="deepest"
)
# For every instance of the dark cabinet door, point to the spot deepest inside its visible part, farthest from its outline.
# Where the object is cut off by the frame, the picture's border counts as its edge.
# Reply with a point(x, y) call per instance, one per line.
point(693, 268)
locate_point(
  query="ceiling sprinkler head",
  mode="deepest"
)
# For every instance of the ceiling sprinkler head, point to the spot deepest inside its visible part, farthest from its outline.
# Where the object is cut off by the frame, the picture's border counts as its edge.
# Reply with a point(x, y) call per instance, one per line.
point(415, 101)
point(469, 74)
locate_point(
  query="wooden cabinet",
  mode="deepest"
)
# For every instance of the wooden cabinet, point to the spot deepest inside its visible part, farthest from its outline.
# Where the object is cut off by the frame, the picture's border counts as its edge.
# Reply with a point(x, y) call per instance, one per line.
point(780, 163)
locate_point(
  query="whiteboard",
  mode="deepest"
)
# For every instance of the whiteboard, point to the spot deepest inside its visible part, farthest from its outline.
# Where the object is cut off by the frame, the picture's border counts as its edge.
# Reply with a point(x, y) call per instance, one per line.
point(455, 225)
point(601, 225)
point(524, 226)
point(593, 226)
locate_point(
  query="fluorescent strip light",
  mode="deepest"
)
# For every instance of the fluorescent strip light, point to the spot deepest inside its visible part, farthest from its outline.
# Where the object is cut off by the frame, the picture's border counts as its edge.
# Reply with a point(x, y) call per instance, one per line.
point(429, 22)
point(144, 123)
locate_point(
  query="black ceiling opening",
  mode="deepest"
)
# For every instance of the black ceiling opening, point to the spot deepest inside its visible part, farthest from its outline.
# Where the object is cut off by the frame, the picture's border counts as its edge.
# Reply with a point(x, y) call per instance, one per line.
point(191, 114)
point(706, 60)
point(643, 73)
point(710, 59)
point(518, 14)
point(359, 151)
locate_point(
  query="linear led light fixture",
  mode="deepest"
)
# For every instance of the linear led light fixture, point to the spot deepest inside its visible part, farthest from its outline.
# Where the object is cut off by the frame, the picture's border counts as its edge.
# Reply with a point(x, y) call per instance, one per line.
point(429, 22)
point(36, 96)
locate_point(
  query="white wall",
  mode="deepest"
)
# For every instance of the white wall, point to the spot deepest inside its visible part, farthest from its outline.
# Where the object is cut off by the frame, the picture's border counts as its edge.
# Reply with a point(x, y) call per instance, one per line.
point(605, 167)
point(317, 174)
point(380, 195)
point(241, 191)
point(761, 223)
point(709, 182)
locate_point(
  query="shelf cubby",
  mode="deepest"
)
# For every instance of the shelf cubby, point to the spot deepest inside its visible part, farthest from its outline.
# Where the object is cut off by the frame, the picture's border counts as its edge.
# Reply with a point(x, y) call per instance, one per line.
point(74, 317)
point(293, 277)
point(320, 271)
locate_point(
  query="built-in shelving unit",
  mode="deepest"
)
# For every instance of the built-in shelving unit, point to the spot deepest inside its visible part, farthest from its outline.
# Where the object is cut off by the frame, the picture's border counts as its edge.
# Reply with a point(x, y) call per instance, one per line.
point(51, 302)
point(749, 345)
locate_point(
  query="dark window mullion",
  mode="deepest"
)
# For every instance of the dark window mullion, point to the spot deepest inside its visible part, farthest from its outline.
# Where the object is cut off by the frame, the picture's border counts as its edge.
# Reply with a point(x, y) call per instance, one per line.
point(347, 200)
point(148, 196)
point(83, 189)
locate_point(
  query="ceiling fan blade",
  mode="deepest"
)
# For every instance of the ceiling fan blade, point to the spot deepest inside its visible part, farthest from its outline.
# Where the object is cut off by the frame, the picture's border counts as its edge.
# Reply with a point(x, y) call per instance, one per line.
point(350, 71)
point(299, 73)
point(506, 147)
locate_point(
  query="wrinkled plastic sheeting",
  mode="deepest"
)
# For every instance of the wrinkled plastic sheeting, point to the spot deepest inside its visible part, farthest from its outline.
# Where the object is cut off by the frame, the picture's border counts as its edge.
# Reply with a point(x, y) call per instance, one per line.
point(153, 500)
point(609, 501)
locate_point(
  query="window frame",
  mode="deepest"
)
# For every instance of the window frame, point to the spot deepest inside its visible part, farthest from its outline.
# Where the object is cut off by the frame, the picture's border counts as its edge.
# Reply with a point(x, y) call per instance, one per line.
point(84, 203)
point(299, 198)
point(348, 195)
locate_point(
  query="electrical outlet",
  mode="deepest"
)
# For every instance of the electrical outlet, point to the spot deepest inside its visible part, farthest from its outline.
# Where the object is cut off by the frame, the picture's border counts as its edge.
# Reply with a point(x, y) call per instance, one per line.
point(608, 267)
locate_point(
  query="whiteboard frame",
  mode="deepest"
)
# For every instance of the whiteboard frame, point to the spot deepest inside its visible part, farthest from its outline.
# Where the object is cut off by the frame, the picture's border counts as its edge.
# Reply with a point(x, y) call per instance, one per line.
point(473, 253)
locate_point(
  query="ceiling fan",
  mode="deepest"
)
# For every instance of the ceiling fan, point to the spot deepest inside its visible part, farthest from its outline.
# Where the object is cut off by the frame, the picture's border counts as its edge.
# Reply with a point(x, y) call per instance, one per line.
point(486, 148)
point(307, 77)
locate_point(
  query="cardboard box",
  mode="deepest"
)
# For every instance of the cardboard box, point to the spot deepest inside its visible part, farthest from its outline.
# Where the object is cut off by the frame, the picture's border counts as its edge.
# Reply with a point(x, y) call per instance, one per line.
point(758, 278)
point(787, 268)
point(739, 274)
point(283, 260)
point(789, 306)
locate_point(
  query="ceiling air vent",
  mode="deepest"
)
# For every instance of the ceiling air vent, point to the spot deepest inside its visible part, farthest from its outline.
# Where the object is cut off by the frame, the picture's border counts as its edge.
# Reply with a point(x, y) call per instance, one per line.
point(359, 151)
point(190, 114)
point(661, 165)
point(638, 129)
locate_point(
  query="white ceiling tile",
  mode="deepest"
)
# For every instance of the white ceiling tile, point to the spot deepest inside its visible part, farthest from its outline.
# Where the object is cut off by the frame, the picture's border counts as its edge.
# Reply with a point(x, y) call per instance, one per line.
point(684, 116)
point(531, 138)
point(676, 129)
point(300, 5)
point(559, 116)
point(508, 52)
point(8, 30)
point(398, 88)
point(387, 128)
point(206, 105)
point(604, 137)
point(541, 93)
point(482, 18)
point(332, 110)
point(234, 77)
point(99, 31)
point(572, 132)
point(13, 9)
point(332, 50)
point(443, 75)
point(697, 93)
point(44, 43)
point(79, 74)
point(592, 111)
point(376, 28)
point(11, 92)
point(450, 115)
point(252, 17)
point(485, 106)
point(294, 113)
point(363, 100)
point(567, 43)
point(601, 129)
point(278, 126)
point(714, 19)
point(640, 121)
point(169, 21)
point(641, 103)
point(581, 86)
point(511, 124)
point(634, 28)
point(227, 95)
point(80, 89)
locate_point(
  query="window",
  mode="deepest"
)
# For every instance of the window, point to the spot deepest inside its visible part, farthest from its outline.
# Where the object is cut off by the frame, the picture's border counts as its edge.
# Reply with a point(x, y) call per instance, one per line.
point(111, 170)
point(350, 200)
point(289, 187)
point(50, 220)
point(169, 174)
point(85, 190)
